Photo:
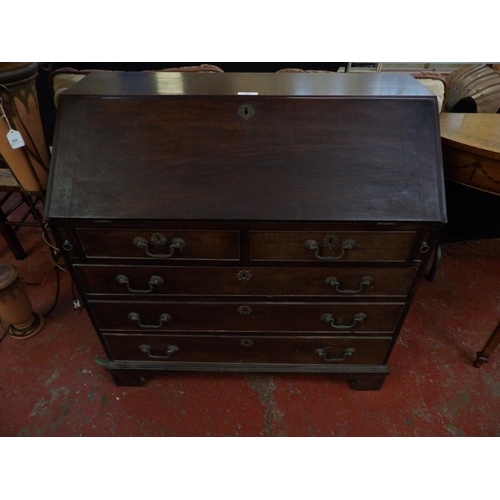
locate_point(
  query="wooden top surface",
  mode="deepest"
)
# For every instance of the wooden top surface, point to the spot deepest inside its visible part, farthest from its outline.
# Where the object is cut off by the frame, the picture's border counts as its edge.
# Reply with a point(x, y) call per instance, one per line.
point(351, 155)
point(153, 83)
point(477, 133)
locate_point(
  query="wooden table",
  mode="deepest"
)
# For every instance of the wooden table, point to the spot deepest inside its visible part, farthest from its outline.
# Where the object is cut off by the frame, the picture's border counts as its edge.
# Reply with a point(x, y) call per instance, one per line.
point(471, 156)
point(471, 149)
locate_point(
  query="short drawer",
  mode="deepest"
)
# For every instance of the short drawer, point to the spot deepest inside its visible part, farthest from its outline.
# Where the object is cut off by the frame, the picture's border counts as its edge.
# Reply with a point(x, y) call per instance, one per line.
point(330, 318)
point(376, 246)
point(161, 244)
point(252, 281)
point(248, 349)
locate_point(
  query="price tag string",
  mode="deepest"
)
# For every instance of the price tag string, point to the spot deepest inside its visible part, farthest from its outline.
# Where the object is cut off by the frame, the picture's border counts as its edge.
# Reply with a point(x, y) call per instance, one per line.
point(16, 141)
point(4, 116)
point(13, 136)
point(18, 136)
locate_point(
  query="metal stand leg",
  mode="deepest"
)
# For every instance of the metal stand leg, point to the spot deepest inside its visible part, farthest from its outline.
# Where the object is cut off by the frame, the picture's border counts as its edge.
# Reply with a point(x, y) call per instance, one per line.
point(11, 238)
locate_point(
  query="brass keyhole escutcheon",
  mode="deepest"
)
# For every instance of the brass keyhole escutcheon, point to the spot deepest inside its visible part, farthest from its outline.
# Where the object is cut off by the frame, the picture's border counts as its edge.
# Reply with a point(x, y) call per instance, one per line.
point(246, 111)
point(244, 275)
point(158, 239)
point(330, 241)
point(244, 310)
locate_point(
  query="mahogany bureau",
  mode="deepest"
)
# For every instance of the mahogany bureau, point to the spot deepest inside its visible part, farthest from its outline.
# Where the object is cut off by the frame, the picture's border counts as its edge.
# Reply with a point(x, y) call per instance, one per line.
point(247, 222)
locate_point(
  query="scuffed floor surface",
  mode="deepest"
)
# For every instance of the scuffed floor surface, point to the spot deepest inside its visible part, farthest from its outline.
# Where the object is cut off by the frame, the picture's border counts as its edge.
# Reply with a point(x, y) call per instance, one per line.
point(50, 385)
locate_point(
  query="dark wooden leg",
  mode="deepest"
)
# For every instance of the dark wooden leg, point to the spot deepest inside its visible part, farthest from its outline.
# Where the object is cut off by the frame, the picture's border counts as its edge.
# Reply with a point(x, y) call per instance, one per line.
point(127, 378)
point(435, 264)
point(368, 382)
point(483, 355)
point(11, 238)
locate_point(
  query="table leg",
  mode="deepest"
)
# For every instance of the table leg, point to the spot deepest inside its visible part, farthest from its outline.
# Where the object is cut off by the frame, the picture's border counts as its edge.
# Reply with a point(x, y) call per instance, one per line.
point(483, 355)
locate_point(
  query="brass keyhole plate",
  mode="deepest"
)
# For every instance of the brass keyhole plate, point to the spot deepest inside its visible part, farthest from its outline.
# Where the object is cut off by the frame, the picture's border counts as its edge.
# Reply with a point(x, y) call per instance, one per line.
point(330, 241)
point(246, 111)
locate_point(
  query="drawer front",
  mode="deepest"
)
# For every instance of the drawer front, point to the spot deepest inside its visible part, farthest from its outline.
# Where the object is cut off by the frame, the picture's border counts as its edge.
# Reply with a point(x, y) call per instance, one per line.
point(376, 246)
point(161, 244)
point(271, 281)
point(248, 349)
point(247, 317)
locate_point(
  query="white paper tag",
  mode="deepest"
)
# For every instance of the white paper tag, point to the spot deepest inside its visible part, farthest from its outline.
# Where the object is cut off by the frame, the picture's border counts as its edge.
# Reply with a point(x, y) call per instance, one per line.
point(15, 139)
point(248, 93)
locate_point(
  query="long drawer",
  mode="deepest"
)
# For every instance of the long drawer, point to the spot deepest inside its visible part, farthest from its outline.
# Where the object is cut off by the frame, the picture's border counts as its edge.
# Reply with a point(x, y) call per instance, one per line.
point(366, 318)
point(248, 349)
point(253, 281)
point(161, 244)
point(358, 246)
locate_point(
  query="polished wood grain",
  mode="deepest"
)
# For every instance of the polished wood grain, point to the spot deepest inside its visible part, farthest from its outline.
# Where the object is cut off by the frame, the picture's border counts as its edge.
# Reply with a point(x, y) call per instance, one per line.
point(245, 181)
point(208, 349)
point(123, 84)
point(247, 316)
point(471, 149)
point(199, 245)
point(368, 246)
point(251, 281)
point(477, 133)
point(288, 161)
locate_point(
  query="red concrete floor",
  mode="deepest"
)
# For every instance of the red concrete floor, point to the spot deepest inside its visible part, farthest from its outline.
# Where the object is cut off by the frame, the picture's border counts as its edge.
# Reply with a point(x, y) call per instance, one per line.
point(50, 385)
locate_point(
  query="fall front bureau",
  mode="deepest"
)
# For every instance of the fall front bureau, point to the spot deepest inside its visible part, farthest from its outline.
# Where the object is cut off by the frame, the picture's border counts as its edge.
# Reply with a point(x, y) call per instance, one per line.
point(247, 222)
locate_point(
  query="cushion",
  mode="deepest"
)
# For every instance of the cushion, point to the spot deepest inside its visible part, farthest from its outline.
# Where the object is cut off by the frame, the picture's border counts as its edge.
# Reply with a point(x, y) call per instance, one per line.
point(435, 82)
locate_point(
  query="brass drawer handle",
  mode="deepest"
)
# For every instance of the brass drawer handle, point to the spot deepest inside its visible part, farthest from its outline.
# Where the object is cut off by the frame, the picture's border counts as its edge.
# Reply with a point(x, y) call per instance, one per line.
point(154, 280)
point(171, 349)
point(67, 246)
point(365, 281)
point(424, 247)
point(177, 244)
point(357, 318)
point(312, 245)
point(323, 354)
point(164, 318)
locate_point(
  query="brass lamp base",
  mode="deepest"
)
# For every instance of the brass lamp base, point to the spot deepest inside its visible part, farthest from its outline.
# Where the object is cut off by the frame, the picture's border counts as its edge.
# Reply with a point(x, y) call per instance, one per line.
point(15, 305)
point(21, 332)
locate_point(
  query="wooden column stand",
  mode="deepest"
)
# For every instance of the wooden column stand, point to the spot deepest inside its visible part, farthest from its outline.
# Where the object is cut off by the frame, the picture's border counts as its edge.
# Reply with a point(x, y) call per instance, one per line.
point(15, 306)
point(30, 164)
